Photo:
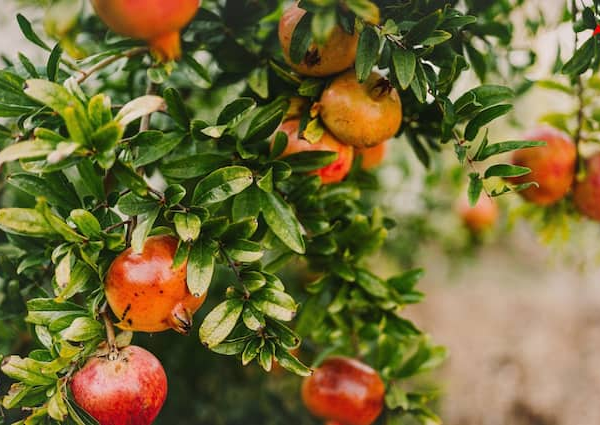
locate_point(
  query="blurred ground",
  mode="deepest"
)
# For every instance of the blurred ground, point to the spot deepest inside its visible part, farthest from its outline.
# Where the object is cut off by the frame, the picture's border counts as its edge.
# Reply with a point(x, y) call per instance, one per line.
point(524, 337)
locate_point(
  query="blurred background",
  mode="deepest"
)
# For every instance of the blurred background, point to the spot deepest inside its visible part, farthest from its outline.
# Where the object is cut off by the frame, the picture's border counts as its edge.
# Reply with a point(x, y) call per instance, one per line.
point(518, 308)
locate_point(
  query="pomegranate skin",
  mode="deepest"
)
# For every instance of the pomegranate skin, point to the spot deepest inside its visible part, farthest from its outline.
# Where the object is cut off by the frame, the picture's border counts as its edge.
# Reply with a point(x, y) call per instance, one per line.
point(344, 390)
point(146, 293)
point(130, 390)
point(552, 166)
point(336, 55)
point(480, 217)
point(332, 173)
point(372, 157)
point(156, 21)
point(361, 115)
point(586, 194)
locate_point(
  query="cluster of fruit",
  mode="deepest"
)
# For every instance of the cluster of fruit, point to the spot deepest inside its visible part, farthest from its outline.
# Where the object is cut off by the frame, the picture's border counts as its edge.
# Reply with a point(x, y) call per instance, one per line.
point(359, 118)
point(144, 291)
point(553, 169)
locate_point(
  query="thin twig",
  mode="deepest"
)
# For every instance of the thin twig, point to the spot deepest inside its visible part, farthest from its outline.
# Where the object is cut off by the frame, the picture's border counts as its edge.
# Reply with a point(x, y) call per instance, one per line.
point(235, 270)
point(116, 226)
point(106, 62)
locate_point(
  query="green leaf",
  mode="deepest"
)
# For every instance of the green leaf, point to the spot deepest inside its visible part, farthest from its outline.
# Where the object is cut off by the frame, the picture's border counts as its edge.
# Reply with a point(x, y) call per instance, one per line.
point(219, 323)
point(503, 147)
point(28, 32)
point(582, 58)
point(196, 67)
point(303, 162)
point(138, 108)
point(87, 224)
point(301, 38)
point(141, 231)
point(153, 145)
point(176, 108)
point(37, 186)
point(424, 28)
point(483, 118)
point(419, 83)
point(274, 303)
point(367, 53)
point(82, 329)
point(130, 179)
point(291, 363)
point(371, 284)
point(251, 350)
point(506, 170)
point(132, 204)
point(52, 67)
point(253, 319)
point(282, 221)
point(200, 268)
point(244, 251)
point(26, 150)
point(475, 188)
point(90, 178)
point(187, 226)
point(405, 63)
point(28, 371)
point(437, 37)
point(246, 204)
point(480, 98)
point(25, 222)
point(222, 184)
point(236, 111)
point(193, 165)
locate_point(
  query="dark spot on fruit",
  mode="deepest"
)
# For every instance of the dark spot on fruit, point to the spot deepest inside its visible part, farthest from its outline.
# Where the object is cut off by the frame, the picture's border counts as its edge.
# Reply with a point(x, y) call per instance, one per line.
point(161, 291)
point(126, 311)
point(136, 294)
point(130, 321)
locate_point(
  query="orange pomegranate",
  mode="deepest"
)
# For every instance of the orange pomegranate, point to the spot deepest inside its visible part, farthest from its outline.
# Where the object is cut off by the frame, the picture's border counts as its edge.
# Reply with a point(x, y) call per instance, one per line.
point(156, 21)
point(146, 293)
point(552, 166)
point(344, 390)
point(372, 157)
point(361, 115)
point(480, 217)
point(586, 194)
point(336, 55)
point(332, 173)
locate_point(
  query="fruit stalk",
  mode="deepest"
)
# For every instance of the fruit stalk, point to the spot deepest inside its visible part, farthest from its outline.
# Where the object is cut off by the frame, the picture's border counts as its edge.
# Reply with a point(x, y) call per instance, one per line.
point(113, 351)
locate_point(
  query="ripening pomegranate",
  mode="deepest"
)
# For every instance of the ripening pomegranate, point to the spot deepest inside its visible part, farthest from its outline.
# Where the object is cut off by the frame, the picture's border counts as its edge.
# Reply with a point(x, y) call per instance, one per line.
point(552, 166)
point(480, 217)
point(146, 293)
point(332, 173)
point(344, 390)
point(156, 21)
point(361, 115)
point(586, 194)
point(129, 390)
point(336, 55)
point(372, 157)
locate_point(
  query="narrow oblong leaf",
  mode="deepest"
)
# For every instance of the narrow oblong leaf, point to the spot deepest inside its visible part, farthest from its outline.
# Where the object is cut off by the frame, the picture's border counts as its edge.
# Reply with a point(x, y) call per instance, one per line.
point(219, 323)
point(282, 221)
point(200, 268)
point(222, 184)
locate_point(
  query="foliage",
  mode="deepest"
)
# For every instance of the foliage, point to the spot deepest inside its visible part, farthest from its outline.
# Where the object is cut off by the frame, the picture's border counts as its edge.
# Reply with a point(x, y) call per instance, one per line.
point(104, 147)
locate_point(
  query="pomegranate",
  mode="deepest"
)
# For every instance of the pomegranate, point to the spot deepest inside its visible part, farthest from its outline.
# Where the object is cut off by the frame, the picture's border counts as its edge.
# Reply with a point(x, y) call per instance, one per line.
point(129, 390)
point(332, 173)
point(587, 192)
point(336, 55)
point(361, 115)
point(552, 166)
point(344, 390)
point(480, 217)
point(146, 293)
point(372, 157)
point(156, 21)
